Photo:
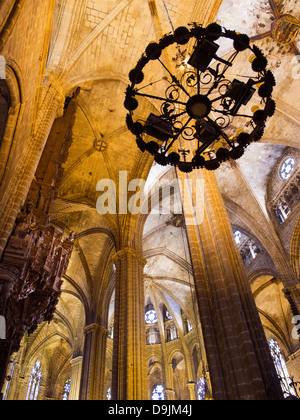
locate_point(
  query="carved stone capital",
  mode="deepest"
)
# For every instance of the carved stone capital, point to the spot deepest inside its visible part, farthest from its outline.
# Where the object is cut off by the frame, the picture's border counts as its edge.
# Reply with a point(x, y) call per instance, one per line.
point(129, 254)
point(94, 328)
point(57, 92)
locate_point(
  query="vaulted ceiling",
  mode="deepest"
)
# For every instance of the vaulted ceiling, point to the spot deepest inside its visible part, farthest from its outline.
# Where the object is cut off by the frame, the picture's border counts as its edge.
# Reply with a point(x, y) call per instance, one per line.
point(94, 45)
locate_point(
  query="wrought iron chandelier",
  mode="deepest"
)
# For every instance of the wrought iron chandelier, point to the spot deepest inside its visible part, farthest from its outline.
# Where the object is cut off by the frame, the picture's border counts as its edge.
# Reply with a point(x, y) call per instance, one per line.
point(205, 116)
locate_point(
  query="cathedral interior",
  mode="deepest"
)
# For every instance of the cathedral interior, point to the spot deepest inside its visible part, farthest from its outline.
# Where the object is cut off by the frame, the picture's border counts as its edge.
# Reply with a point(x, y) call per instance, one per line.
point(144, 305)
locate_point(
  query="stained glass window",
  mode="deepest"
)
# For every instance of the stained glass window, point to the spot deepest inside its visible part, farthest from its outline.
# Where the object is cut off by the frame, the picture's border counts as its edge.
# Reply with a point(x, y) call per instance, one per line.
point(168, 315)
point(201, 388)
point(287, 168)
point(281, 369)
point(108, 395)
point(158, 393)
point(111, 332)
point(189, 325)
point(237, 236)
point(67, 389)
point(34, 384)
point(151, 317)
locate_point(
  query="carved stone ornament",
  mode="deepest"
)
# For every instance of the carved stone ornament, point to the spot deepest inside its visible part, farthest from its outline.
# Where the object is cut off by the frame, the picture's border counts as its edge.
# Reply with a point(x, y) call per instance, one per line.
point(286, 29)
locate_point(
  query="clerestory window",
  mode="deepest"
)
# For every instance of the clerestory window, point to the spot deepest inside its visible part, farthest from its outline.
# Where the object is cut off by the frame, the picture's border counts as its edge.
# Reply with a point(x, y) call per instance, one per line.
point(35, 381)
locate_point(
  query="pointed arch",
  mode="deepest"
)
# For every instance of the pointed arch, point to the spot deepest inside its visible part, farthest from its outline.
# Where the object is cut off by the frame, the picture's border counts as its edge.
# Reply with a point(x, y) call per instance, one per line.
point(295, 249)
point(12, 89)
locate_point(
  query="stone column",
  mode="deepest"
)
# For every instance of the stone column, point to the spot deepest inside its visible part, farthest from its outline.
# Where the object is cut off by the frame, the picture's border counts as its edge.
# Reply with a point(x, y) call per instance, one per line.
point(75, 378)
point(191, 386)
point(129, 381)
point(93, 363)
point(169, 391)
point(237, 351)
point(170, 394)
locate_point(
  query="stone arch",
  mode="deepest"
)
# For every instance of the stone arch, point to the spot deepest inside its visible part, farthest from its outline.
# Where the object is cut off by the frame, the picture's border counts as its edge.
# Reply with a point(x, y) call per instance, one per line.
point(59, 386)
point(46, 339)
point(14, 112)
point(155, 374)
point(263, 272)
point(295, 249)
point(270, 243)
point(273, 309)
point(179, 366)
point(197, 363)
point(4, 107)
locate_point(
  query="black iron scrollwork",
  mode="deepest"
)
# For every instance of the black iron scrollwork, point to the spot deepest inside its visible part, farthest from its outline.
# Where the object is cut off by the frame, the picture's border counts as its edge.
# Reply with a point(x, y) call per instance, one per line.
point(201, 103)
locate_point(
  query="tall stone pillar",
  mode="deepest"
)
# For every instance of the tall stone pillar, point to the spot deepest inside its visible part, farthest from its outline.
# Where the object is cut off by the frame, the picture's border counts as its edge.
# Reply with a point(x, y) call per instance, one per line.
point(169, 391)
point(237, 351)
point(129, 381)
point(93, 364)
point(76, 378)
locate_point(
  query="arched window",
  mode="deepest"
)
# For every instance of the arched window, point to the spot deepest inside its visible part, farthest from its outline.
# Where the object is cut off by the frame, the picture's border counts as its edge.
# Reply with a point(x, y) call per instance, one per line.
point(279, 214)
point(281, 369)
point(237, 236)
point(34, 384)
point(168, 315)
point(189, 325)
point(111, 332)
point(158, 393)
point(173, 332)
point(152, 336)
point(5, 103)
point(201, 388)
point(108, 395)
point(67, 389)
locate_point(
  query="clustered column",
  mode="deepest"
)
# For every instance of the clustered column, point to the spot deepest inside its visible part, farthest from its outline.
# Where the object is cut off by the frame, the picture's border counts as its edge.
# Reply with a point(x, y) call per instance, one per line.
point(129, 380)
point(237, 351)
point(76, 364)
point(93, 364)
